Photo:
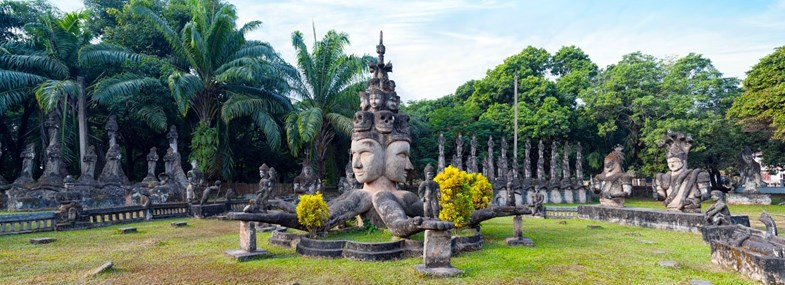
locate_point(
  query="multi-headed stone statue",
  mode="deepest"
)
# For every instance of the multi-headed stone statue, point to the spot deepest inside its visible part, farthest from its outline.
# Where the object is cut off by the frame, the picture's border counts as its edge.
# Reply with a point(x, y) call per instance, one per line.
point(613, 184)
point(430, 194)
point(682, 189)
point(751, 178)
point(580, 190)
point(442, 162)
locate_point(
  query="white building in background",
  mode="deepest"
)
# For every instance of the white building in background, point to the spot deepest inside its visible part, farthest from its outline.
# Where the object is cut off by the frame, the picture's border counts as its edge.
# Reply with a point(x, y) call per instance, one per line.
point(773, 177)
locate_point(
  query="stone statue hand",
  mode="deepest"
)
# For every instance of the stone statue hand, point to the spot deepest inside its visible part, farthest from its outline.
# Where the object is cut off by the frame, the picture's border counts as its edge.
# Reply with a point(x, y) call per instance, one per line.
point(436, 225)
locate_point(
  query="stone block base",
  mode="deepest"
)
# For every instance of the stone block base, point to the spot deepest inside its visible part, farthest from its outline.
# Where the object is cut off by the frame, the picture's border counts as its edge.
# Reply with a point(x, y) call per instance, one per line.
point(438, 271)
point(43, 240)
point(179, 224)
point(126, 230)
point(205, 211)
point(647, 218)
point(519, 241)
point(242, 255)
point(748, 199)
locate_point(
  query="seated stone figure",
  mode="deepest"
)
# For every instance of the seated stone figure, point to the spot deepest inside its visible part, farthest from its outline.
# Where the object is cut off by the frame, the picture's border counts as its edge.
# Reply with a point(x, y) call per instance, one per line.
point(717, 214)
point(348, 182)
point(209, 191)
point(612, 185)
point(682, 189)
point(307, 182)
point(750, 177)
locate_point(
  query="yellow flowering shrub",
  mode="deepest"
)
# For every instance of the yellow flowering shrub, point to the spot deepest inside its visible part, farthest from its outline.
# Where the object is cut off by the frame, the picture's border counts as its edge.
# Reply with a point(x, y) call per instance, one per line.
point(456, 198)
point(481, 190)
point(312, 211)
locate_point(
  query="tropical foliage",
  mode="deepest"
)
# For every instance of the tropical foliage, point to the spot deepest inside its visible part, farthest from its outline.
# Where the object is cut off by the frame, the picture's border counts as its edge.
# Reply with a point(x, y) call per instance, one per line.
point(312, 211)
point(481, 190)
point(327, 94)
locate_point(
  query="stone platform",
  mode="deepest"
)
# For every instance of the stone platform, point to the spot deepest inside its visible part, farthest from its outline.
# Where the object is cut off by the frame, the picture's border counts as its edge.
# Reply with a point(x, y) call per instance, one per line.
point(747, 251)
point(650, 218)
point(381, 251)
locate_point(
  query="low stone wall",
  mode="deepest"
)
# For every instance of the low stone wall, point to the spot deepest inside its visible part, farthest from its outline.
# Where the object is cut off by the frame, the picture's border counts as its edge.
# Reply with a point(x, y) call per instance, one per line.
point(748, 199)
point(27, 223)
point(766, 269)
point(649, 218)
point(561, 212)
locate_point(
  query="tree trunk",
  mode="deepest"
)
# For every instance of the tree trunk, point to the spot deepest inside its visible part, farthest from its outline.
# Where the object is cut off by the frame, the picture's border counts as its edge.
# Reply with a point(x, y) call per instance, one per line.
point(82, 121)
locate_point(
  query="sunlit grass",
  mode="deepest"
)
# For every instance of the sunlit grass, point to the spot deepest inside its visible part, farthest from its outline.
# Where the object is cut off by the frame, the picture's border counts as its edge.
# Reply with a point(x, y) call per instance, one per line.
point(159, 254)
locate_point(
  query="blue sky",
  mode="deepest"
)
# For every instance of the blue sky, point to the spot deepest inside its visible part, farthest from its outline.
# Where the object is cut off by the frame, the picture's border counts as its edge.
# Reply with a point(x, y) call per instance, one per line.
point(437, 45)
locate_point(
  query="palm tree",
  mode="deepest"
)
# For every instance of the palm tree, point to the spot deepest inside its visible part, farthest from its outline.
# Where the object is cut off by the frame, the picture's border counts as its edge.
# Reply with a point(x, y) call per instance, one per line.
point(51, 66)
point(217, 72)
point(327, 92)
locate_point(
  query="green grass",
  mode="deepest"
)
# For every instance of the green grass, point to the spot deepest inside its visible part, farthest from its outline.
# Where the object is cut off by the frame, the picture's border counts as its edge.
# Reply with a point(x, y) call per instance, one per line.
point(159, 254)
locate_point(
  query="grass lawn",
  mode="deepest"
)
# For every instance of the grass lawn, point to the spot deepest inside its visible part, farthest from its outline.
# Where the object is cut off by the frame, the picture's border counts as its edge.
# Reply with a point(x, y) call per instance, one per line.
point(567, 253)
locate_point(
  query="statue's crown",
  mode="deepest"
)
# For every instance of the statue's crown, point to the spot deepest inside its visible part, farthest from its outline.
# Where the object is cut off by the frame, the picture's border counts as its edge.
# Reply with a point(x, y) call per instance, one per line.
point(678, 144)
point(378, 118)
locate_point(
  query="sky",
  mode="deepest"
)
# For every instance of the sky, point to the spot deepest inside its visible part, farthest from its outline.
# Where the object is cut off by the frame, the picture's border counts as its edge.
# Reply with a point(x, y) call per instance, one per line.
point(437, 45)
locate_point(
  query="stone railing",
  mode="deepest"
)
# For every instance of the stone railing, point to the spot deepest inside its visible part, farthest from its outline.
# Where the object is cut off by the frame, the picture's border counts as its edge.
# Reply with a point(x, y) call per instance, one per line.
point(561, 212)
point(27, 223)
point(169, 210)
point(112, 216)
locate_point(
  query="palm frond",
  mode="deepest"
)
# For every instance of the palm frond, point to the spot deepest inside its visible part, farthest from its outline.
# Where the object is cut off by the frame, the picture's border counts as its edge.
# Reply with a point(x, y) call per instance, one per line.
point(50, 67)
point(341, 122)
point(153, 116)
point(269, 127)
point(309, 123)
point(106, 54)
point(11, 79)
point(50, 92)
point(112, 89)
point(13, 97)
point(184, 87)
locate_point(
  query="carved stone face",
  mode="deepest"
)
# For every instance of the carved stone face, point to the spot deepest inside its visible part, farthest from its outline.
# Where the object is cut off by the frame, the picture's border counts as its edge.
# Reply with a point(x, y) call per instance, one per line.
point(429, 175)
point(392, 103)
point(375, 99)
point(384, 121)
point(675, 164)
point(611, 167)
point(396, 161)
point(367, 160)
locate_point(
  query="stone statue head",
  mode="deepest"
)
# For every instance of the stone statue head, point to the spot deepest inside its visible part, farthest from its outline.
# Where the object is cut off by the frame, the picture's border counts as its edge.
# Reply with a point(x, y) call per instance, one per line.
point(428, 172)
point(678, 145)
point(396, 161)
point(218, 184)
point(717, 195)
point(163, 178)
point(393, 102)
point(675, 164)
point(367, 160)
point(375, 100)
point(264, 171)
point(746, 155)
point(194, 164)
point(348, 170)
point(613, 161)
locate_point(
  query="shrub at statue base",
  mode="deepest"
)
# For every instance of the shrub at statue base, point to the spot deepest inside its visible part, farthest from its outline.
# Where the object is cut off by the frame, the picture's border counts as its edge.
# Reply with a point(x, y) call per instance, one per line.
point(480, 189)
point(312, 212)
point(456, 198)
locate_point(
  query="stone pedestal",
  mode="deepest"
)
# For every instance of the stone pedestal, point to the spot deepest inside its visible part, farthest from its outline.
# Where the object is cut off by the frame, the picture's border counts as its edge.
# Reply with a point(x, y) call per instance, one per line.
point(518, 238)
point(582, 197)
point(437, 251)
point(568, 196)
point(545, 195)
point(248, 250)
point(748, 199)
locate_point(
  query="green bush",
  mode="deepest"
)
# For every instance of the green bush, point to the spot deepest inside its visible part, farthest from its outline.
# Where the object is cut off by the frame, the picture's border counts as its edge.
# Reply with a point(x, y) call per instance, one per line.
point(312, 212)
point(456, 198)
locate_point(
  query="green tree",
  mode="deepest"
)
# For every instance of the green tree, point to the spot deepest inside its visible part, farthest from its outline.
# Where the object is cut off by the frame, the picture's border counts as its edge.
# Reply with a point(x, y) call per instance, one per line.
point(760, 107)
point(15, 14)
point(218, 73)
point(330, 82)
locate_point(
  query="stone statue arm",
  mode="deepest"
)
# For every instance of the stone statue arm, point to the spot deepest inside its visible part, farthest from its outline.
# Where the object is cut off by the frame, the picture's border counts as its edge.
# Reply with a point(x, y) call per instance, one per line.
point(285, 219)
point(595, 185)
point(421, 190)
point(481, 215)
point(704, 185)
point(659, 191)
point(626, 187)
point(347, 207)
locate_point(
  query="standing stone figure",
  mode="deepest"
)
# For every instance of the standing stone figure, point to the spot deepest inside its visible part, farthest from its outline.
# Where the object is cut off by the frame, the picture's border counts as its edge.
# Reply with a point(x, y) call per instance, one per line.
point(52, 171)
point(503, 166)
point(28, 158)
point(555, 186)
point(163, 191)
point(750, 172)
point(491, 171)
point(172, 137)
point(510, 199)
point(112, 172)
point(528, 186)
point(717, 214)
point(88, 172)
point(580, 190)
point(152, 159)
point(442, 162)
point(457, 158)
point(274, 180)
point(111, 130)
point(265, 187)
point(613, 184)
point(542, 184)
point(429, 194)
point(566, 181)
point(682, 189)
point(195, 181)
point(471, 165)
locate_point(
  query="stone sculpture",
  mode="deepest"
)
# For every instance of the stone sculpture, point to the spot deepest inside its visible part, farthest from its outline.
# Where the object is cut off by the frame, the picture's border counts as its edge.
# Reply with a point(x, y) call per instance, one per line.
point(537, 209)
point(750, 175)
point(442, 162)
point(88, 172)
point(430, 194)
point(718, 214)
point(580, 190)
point(52, 175)
point(555, 184)
point(195, 181)
point(162, 192)
point(613, 184)
point(172, 136)
point(457, 158)
point(682, 189)
point(175, 171)
point(28, 159)
point(510, 199)
point(113, 172)
point(491, 171)
point(210, 191)
point(380, 159)
point(542, 184)
point(111, 128)
point(348, 183)
point(471, 165)
point(152, 160)
point(265, 187)
point(307, 181)
point(527, 187)
point(503, 166)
